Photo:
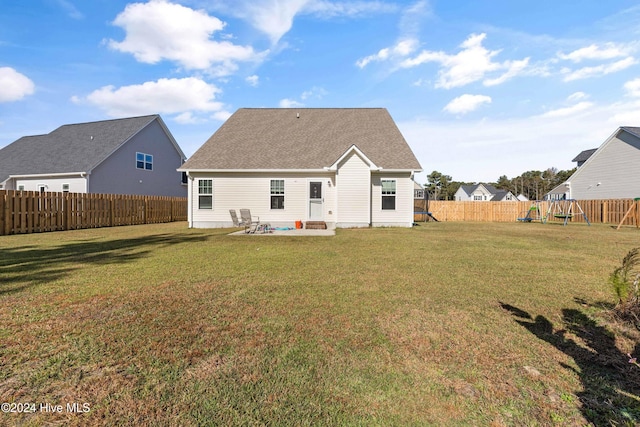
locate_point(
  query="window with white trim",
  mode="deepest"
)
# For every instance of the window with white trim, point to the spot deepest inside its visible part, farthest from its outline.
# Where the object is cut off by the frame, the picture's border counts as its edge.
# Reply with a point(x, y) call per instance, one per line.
point(388, 194)
point(205, 194)
point(65, 188)
point(144, 161)
point(277, 194)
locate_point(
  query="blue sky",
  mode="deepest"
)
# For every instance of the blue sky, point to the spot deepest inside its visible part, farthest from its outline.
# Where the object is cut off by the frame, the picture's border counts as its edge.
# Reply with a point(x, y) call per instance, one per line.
point(478, 88)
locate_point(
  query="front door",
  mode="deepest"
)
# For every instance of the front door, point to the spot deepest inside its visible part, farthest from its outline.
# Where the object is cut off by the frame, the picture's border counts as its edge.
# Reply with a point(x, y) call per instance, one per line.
point(316, 210)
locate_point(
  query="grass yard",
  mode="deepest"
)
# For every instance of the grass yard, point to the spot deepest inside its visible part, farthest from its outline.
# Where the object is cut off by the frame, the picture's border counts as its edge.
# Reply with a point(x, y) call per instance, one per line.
point(444, 324)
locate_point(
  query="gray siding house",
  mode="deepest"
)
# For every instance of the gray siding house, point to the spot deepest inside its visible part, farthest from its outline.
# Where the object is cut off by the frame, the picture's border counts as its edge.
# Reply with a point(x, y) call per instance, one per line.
point(346, 167)
point(611, 172)
point(136, 155)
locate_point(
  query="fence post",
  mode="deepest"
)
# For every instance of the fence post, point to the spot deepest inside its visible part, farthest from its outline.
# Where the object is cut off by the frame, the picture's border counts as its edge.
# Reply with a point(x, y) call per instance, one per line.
point(145, 208)
point(3, 202)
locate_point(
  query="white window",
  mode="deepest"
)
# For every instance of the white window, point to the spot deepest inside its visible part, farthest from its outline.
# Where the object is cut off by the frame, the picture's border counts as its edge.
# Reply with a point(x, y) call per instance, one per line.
point(20, 187)
point(205, 194)
point(388, 194)
point(65, 188)
point(277, 194)
point(476, 197)
point(144, 161)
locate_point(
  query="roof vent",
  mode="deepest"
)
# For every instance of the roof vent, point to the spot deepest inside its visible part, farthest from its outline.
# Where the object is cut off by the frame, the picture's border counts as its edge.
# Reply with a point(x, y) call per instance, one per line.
point(297, 115)
point(92, 137)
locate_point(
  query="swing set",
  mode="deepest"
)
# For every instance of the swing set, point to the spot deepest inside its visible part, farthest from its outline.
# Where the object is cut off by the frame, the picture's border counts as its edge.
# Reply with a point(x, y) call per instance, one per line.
point(533, 214)
point(564, 210)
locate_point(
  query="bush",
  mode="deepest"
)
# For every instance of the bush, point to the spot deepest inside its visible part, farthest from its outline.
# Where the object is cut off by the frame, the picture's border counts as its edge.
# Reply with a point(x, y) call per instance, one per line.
point(625, 280)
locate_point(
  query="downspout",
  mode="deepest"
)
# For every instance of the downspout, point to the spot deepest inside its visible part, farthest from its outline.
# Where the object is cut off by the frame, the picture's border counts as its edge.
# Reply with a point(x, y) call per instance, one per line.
point(85, 175)
point(190, 200)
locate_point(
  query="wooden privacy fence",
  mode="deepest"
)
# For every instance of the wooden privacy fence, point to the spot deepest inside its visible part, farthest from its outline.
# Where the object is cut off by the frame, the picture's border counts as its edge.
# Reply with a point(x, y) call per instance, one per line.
point(35, 212)
point(597, 211)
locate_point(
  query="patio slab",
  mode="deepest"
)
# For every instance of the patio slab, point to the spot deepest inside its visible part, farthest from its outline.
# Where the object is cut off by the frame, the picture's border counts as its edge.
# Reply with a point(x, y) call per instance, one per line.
point(293, 232)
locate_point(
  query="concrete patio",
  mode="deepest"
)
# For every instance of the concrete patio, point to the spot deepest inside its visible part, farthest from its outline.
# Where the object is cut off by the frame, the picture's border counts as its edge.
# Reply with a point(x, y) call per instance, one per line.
point(292, 232)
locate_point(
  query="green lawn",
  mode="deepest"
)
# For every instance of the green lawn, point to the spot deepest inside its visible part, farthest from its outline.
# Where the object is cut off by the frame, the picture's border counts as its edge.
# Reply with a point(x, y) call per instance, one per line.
point(443, 324)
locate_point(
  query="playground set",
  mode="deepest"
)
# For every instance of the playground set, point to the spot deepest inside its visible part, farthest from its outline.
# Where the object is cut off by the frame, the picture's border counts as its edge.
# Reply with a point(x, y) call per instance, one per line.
point(562, 210)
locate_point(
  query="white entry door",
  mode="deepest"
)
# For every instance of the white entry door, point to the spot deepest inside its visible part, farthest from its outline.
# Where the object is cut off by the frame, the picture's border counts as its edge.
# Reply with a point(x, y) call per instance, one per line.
point(316, 201)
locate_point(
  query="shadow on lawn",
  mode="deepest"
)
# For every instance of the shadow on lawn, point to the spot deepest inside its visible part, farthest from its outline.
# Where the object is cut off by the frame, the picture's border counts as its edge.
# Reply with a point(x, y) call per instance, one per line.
point(611, 385)
point(25, 266)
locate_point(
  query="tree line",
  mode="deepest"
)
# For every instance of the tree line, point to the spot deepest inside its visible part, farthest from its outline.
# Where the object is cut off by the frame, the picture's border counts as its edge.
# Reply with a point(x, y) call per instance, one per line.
point(532, 184)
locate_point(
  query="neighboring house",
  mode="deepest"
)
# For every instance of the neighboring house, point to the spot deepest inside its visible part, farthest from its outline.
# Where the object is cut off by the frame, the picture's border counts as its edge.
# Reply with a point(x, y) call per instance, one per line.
point(482, 193)
point(347, 167)
point(136, 155)
point(611, 172)
point(561, 192)
point(418, 191)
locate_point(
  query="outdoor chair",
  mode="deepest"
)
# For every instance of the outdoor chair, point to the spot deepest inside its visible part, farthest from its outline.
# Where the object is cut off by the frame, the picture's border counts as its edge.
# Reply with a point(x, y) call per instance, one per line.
point(251, 223)
point(234, 218)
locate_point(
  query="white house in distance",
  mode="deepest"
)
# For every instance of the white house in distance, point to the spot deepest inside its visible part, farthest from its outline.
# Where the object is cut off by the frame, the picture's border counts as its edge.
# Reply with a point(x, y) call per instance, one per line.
point(136, 155)
point(611, 172)
point(346, 167)
point(482, 192)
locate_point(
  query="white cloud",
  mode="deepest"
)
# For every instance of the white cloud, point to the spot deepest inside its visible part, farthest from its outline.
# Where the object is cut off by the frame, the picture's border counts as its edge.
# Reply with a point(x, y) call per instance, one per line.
point(222, 115)
point(160, 30)
point(71, 10)
point(466, 103)
point(577, 96)
point(629, 116)
point(186, 118)
point(595, 52)
point(514, 68)
point(272, 17)
point(399, 50)
point(413, 17)
point(598, 70)
point(290, 103)
point(275, 17)
point(568, 111)
point(471, 64)
point(169, 96)
point(314, 92)
point(633, 87)
point(332, 9)
point(253, 80)
point(14, 85)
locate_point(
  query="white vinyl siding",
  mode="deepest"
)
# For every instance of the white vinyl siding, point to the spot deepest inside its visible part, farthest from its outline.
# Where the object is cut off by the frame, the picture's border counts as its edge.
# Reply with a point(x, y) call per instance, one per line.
point(253, 191)
point(353, 180)
point(75, 185)
point(402, 215)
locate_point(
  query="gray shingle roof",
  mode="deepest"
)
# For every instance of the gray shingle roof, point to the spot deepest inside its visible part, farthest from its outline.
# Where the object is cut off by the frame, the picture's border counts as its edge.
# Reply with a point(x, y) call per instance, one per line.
point(584, 155)
point(276, 138)
point(469, 188)
point(633, 130)
point(70, 148)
